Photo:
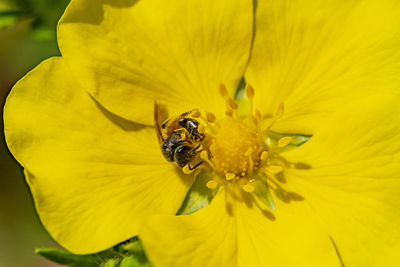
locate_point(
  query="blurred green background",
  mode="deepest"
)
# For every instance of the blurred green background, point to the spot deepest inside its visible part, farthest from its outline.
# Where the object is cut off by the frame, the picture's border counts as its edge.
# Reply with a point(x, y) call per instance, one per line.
point(27, 36)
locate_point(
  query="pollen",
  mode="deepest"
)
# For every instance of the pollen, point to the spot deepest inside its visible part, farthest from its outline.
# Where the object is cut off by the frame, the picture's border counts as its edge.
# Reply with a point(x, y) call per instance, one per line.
point(237, 148)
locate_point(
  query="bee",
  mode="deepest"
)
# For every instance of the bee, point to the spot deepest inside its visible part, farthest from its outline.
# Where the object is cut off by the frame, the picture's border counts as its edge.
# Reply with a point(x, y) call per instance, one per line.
point(182, 135)
point(182, 124)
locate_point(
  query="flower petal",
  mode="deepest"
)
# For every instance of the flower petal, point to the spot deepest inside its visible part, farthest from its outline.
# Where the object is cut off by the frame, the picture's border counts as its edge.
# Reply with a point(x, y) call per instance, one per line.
point(237, 235)
point(352, 179)
point(316, 55)
point(129, 53)
point(205, 238)
point(94, 176)
point(281, 238)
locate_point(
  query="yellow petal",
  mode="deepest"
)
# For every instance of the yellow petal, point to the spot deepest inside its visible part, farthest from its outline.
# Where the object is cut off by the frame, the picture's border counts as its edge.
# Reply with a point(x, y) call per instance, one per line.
point(282, 237)
point(352, 179)
point(94, 176)
point(237, 235)
point(205, 238)
point(317, 55)
point(128, 53)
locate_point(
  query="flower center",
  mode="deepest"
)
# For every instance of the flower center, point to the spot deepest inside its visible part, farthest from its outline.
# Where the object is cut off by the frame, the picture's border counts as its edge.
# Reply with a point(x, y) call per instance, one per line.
point(237, 148)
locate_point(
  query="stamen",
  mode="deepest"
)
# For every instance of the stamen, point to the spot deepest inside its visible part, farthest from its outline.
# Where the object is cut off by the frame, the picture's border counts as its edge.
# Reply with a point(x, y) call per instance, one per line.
point(212, 184)
point(250, 95)
point(278, 114)
point(210, 117)
point(201, 129)
point(232, 103)
point(222, 91)
point(284, 141)
point(186, 170)
point(250, 159)
point(258, 115)
point(229, 176)
point(275, 169)
point(279, 111)
point(196, 113)
point(204, 156)
point(248, 188)
point(249, 91)
point(264, 156)
point(229, 112)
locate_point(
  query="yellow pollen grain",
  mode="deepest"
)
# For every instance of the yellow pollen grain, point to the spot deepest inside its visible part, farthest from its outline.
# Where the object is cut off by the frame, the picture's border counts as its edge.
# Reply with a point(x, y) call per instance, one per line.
point(284, 141)
point(210, 117)
point(229, 176)
point(212, 184)
point(248, 188)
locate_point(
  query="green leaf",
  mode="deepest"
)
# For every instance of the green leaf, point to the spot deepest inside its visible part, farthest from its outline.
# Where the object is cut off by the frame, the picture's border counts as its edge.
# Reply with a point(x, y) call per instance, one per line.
point(199, 195)
point(67, 258)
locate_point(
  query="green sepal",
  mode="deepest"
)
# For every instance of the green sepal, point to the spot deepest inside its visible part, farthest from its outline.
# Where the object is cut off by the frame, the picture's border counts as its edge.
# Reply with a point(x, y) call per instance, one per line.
point(199, 195)
point(68, 258)
point(132, 261)
point(110, 263)
point(262, 192)
point(135, 252)
point(127, 254)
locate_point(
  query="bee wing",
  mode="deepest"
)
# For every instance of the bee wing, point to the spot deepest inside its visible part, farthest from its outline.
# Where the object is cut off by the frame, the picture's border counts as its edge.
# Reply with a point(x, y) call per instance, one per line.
point(157, 123)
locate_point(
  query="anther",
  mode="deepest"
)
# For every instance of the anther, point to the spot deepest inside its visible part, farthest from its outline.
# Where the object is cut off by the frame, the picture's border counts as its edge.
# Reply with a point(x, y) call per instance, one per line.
point(248, 188)
point(232, 103)
point(275, 169)
point(264, 156)
point(201, 129)
point(258, 115)
point(229, 176)
point(210, 117)
point(229, 112)
point(222, 91)
point(186, 170)
point(196, 113)
point(284, 141)
point(204, 156)
point(212, 184)
point(249, 91)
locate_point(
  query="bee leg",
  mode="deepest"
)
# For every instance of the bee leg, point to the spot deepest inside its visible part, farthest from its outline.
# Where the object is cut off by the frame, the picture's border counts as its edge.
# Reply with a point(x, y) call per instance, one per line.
point(182, 130)
point(195, 166)
point(187, 113)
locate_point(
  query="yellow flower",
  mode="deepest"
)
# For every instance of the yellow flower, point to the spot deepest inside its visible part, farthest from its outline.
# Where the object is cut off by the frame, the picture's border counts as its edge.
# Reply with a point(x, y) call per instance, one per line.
point(95, 167)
